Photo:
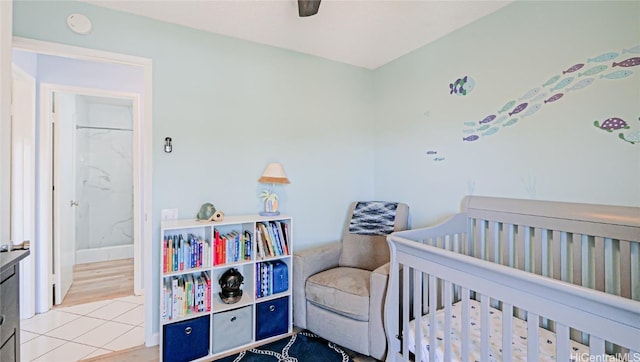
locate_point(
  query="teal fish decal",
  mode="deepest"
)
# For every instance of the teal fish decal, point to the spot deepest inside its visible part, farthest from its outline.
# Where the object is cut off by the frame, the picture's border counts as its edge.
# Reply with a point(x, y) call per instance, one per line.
point(469, 131)
point(491, 131)
point(539, 97)
point(603, 58)
point(530, 93)
point(551, 80)
point(483, 127)
point(507, 106)
point(595, 70)
point(510, 122)
point(581, 84)
point(470, 124)
point(533, 109)
point(635, 49)
point(617, 74)
point(438, 159)
point(563, 83)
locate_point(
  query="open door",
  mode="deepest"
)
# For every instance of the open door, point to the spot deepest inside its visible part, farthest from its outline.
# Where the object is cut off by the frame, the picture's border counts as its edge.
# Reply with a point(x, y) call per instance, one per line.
point(64, 202)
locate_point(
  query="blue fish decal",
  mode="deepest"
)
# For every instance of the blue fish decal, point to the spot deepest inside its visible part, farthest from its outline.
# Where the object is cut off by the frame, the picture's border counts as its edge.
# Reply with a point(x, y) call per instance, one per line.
point(500, 119)
point(533, 109)
point(519, 108)
point(617, 74)
point(507, 106)
point(563, 83)
point(573, 68)
point(469, 131)
point(530, 93)
point(470, 124)
point(491, 131)
point(595, 70)
point(483, 127)
point(539, 97)
point(635, 49)
point(488, 119)
point(603, 58)
point(439, 159)
point(581, 84)
point(470, 138)
point(551, 80)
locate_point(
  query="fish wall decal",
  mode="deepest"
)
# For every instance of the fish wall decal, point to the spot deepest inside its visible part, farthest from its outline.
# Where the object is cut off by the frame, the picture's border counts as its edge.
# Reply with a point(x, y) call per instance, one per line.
point(631, 62)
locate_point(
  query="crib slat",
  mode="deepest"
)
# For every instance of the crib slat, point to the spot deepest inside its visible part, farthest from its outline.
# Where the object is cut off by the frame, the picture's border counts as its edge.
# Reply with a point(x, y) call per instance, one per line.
point(494, 244)
point(562, 342)
point(625, 269)
point(537, 250)
point(596, 348)
point(588, 268)
point(533, 335)
point(598, 250)
point(446, 291)
point(432, 319)
point(405, 310)
point(417, 308)
point(565, 257)
point(556, 243)
point(528, 249)
point(546, 253)
point(484, 328)
point(507, 331)
point(464, 338)
point(576, 258)
point(511, 242)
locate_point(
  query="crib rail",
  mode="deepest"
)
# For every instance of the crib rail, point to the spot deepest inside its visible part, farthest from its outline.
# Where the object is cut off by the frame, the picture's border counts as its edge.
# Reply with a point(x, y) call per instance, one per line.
point(591, 246)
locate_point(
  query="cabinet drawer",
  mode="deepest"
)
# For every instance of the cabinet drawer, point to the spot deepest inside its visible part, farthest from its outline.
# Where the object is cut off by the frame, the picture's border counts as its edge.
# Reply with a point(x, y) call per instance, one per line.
point(272, 318)
point(186, 340)
point(232, 329)
point(9, 305)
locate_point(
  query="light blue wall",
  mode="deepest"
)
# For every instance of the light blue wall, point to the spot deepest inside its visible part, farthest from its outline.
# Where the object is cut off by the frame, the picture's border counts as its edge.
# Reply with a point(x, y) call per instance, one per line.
point(556, 153)
point(231, 107)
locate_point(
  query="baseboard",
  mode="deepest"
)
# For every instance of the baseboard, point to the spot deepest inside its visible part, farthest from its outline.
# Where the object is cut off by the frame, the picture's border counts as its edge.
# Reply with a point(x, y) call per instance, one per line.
point(107, 253)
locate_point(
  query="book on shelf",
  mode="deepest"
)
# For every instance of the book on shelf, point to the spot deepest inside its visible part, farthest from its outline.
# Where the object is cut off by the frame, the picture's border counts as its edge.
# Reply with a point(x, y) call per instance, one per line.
point(272, 238)
point(179, 254)
point(183, 295)
point(232, 247)
point(272, 277)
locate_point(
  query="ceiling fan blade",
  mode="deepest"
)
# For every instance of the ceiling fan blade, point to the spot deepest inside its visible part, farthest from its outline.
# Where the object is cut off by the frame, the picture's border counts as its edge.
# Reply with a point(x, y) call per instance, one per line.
point(308, 7)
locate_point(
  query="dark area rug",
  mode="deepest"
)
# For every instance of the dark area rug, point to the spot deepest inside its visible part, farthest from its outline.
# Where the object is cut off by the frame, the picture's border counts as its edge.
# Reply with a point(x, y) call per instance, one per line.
point(302, 347)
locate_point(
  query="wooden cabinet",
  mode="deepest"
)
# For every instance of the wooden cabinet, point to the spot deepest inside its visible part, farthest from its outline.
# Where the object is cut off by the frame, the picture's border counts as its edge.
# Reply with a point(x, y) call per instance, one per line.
point(10, 305)
point(202, 266)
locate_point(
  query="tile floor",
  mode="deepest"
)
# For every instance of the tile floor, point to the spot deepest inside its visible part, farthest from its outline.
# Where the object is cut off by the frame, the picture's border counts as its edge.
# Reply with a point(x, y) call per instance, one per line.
point(83, 331)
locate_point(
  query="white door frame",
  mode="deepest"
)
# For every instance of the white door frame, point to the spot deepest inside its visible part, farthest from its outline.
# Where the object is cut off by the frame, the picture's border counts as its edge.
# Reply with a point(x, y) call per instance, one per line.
point(23, 183)
point(142, 155)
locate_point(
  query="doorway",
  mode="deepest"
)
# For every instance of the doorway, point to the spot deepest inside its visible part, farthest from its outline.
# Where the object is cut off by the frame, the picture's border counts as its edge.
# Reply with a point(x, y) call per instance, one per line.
point(93, 192)
point(141, 159)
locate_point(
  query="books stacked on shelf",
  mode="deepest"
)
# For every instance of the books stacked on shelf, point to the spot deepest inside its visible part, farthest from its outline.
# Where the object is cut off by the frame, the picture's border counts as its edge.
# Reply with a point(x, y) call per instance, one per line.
point(273, 238)
point(272, 277)
point(232, 247)
point(180, 253)
point(184, 295)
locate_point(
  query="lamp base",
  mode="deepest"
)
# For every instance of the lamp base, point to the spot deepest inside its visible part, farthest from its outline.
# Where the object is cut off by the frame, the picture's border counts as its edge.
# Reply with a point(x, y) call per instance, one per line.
point(269, 213)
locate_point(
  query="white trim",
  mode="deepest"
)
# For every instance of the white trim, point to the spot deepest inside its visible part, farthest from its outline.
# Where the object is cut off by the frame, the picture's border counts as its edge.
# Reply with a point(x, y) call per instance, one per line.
point(6, 20)
point(106, 253)
point(144, 180)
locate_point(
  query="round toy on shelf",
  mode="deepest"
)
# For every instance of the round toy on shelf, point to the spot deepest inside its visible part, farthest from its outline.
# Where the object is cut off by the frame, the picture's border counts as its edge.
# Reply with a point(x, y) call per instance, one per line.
point(230, 282)
point(206, 213)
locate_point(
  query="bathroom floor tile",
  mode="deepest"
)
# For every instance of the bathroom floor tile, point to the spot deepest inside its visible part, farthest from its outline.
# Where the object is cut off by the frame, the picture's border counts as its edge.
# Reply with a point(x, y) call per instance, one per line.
point(132, 338)
point(111, 310)
point(106, 333)
point(38, 347)
point(48, 321)
point(84, 309)
point(68, 352)
point(76, 328)
point(134, 317)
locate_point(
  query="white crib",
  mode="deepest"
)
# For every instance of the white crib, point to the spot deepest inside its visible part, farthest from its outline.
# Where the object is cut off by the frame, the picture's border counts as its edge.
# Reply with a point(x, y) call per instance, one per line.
point(510, 280)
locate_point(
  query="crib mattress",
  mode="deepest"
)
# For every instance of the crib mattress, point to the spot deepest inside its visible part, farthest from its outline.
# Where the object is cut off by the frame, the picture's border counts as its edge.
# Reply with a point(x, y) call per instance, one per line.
point(547, 342)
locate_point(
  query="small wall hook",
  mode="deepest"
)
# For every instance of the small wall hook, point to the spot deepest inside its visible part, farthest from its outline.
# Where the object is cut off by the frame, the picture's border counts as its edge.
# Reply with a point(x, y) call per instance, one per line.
point(168, 147)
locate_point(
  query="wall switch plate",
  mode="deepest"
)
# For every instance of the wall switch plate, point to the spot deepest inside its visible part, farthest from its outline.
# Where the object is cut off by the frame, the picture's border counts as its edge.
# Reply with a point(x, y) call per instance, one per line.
point(169, 214)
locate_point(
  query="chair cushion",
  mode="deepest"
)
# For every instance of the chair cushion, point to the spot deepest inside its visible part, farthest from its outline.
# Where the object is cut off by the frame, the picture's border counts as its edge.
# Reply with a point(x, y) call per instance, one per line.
point(342, 290)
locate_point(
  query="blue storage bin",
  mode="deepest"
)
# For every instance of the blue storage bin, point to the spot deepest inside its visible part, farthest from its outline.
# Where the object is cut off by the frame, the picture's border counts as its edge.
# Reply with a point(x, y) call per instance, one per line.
point(272, 318)
point(186, 340)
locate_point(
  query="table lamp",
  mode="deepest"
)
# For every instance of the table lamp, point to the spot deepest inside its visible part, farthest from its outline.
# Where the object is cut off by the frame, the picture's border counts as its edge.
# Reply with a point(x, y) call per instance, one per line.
point(273, 174)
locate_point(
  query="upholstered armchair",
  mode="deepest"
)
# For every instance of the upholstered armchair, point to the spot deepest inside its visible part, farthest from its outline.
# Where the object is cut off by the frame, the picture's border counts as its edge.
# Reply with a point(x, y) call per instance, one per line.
point(339, 288)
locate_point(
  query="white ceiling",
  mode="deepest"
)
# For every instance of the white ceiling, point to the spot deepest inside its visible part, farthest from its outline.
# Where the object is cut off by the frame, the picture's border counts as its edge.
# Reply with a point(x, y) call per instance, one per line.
point(365, 33)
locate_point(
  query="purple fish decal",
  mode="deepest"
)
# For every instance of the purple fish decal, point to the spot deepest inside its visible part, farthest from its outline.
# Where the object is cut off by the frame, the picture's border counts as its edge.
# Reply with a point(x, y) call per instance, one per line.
point(470, 138)
point(554, 98)
point(488, 119)
point(631, 62)
point(519, 108)
point(573, 68)
point(432, 152)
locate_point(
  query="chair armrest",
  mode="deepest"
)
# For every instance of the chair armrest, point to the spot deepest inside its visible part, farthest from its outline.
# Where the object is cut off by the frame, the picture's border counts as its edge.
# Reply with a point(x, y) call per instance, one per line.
point(305, 264)
point(378, 292)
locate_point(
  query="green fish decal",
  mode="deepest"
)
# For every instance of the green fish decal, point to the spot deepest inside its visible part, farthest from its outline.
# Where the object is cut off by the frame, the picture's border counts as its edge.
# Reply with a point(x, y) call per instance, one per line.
point(595, 70)
point(551, 80)
point(507, 106)
point(617, 74)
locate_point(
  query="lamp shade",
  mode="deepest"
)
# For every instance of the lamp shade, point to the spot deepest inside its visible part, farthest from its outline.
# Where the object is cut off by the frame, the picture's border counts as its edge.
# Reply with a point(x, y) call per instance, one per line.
point(274, 174)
